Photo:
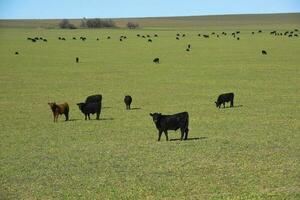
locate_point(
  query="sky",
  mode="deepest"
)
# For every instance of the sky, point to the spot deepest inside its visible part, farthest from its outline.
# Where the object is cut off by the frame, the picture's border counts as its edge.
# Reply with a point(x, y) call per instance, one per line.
point(59, 9)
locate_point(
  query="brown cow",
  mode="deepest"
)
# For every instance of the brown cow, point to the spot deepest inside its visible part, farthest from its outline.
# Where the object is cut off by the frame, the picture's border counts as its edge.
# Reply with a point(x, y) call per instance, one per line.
point(59, 109)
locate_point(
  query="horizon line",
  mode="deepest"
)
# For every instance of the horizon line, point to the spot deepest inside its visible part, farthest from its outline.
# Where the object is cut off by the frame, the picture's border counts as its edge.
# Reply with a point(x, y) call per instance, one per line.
point(145, 17)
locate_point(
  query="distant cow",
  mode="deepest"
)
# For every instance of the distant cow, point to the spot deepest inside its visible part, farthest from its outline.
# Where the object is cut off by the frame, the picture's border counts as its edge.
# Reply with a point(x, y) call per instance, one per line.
point(59, 109)
point(149, 40)
point(127, 101)
point(97, 98)
point(223, 98)
point(177, 121)
point(189, 46)
point(77, 59)
point(90, 108)
point(264, 52)
point(156, 60)
point(16, 53)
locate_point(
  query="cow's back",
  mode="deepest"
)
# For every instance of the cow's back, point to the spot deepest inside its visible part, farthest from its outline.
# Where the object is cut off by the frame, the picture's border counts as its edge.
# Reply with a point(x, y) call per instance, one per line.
point(94, 99)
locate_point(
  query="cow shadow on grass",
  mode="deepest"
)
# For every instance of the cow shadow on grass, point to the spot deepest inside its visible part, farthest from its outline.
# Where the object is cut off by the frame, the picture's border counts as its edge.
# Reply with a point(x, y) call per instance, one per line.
point(226, 107)
point(106, 119)
point(136, 108)
point(106, 107)
point(73, 120)
point(189, 139)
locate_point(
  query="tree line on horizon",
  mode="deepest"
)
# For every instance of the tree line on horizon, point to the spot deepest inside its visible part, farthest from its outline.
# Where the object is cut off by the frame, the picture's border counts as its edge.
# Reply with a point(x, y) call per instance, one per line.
point(94, 23)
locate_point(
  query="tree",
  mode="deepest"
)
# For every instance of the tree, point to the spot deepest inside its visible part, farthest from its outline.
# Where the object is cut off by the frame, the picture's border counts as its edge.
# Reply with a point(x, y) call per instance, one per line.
point(132, 25)
point(66, 24)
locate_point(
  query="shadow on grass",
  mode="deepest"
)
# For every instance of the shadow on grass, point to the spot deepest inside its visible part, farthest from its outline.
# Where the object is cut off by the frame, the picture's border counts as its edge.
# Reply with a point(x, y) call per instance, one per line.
point(226, 107)
point(73, 120)
point(190, 139)
point(135, 108)
point(104, 119)
point(107, 107)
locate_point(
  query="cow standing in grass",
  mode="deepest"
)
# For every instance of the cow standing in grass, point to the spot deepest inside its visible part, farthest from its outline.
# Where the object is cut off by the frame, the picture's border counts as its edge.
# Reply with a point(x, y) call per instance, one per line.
point(177, 121)
point(127, 101)
point(223, 98)
point(59, 109)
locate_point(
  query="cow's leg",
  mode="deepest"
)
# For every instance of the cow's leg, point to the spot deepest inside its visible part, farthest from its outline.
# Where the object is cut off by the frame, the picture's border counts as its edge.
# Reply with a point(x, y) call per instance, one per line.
point(89, 116)
point(159, 135)
point(182, 133)
point(67, 116)
point(224, 105)
point(98, 115)
point(231, 103)
point(56, 117)
point(166, 133)
point(186, 134)
point(85, 115)
point(53, 117)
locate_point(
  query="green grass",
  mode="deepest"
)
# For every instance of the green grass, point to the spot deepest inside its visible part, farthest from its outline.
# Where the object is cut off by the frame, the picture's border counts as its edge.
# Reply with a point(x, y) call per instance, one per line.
point(247, 152)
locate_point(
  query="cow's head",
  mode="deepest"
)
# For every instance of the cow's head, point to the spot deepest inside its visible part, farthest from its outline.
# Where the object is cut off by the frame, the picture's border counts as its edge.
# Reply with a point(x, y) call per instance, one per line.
point(52, 105)
point(217, 104)
point(155, 117)
point(80, 105)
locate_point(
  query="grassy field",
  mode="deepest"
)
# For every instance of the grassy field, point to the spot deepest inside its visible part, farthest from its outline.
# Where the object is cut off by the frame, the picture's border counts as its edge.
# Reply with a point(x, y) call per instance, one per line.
point(250, 151)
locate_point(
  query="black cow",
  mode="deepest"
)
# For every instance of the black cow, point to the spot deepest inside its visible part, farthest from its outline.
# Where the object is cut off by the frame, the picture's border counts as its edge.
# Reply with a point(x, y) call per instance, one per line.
point(77, 59)
point(264, 52)
point(156, 60)
point(164, 123)
point(90, 108)
point(16, 53)
point(223, 98)
point(97, 98)
point(149, 40)
point(127, 101)
point(189, 46)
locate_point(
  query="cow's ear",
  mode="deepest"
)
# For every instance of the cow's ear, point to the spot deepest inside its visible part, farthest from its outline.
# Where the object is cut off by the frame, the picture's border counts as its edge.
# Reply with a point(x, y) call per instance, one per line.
point(151, 114)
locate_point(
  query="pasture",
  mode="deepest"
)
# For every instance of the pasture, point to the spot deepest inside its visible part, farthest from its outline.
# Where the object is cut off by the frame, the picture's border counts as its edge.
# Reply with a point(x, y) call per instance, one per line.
point(250, 151)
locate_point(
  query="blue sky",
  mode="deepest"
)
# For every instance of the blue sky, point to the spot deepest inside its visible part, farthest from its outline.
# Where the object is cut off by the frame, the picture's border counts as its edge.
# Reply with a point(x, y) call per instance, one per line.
point(51, 9)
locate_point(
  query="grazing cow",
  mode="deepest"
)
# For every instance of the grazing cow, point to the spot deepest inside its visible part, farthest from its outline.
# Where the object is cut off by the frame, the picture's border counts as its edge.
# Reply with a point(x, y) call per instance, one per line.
point(97, 39)
point(177, 121)
point(155, 35)
point(138, 35)
point(177, 38)
point(121, 40)
point(74, 38)
point(188, 49)
point(59, 109)
point(143, 36)
point(206, 36)
point(189, 46)
point(260, 31)
point(16, 53)
point(223, 98)
point(127, 101)
point(77, 59)
point(45, 40)
point(90, 108)
point(97, 98)
point(199, 35)
point(183, 35)
point(33, 40)
point(264, 52)
point(149, 40)
point(156, 60)
point(238, 38)
point(108, 37)
point(63, 39)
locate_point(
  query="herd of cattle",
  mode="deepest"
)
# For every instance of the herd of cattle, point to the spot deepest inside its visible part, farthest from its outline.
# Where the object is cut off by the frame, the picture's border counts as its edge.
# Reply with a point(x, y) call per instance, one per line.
point(163, 123)
point(235, 34)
